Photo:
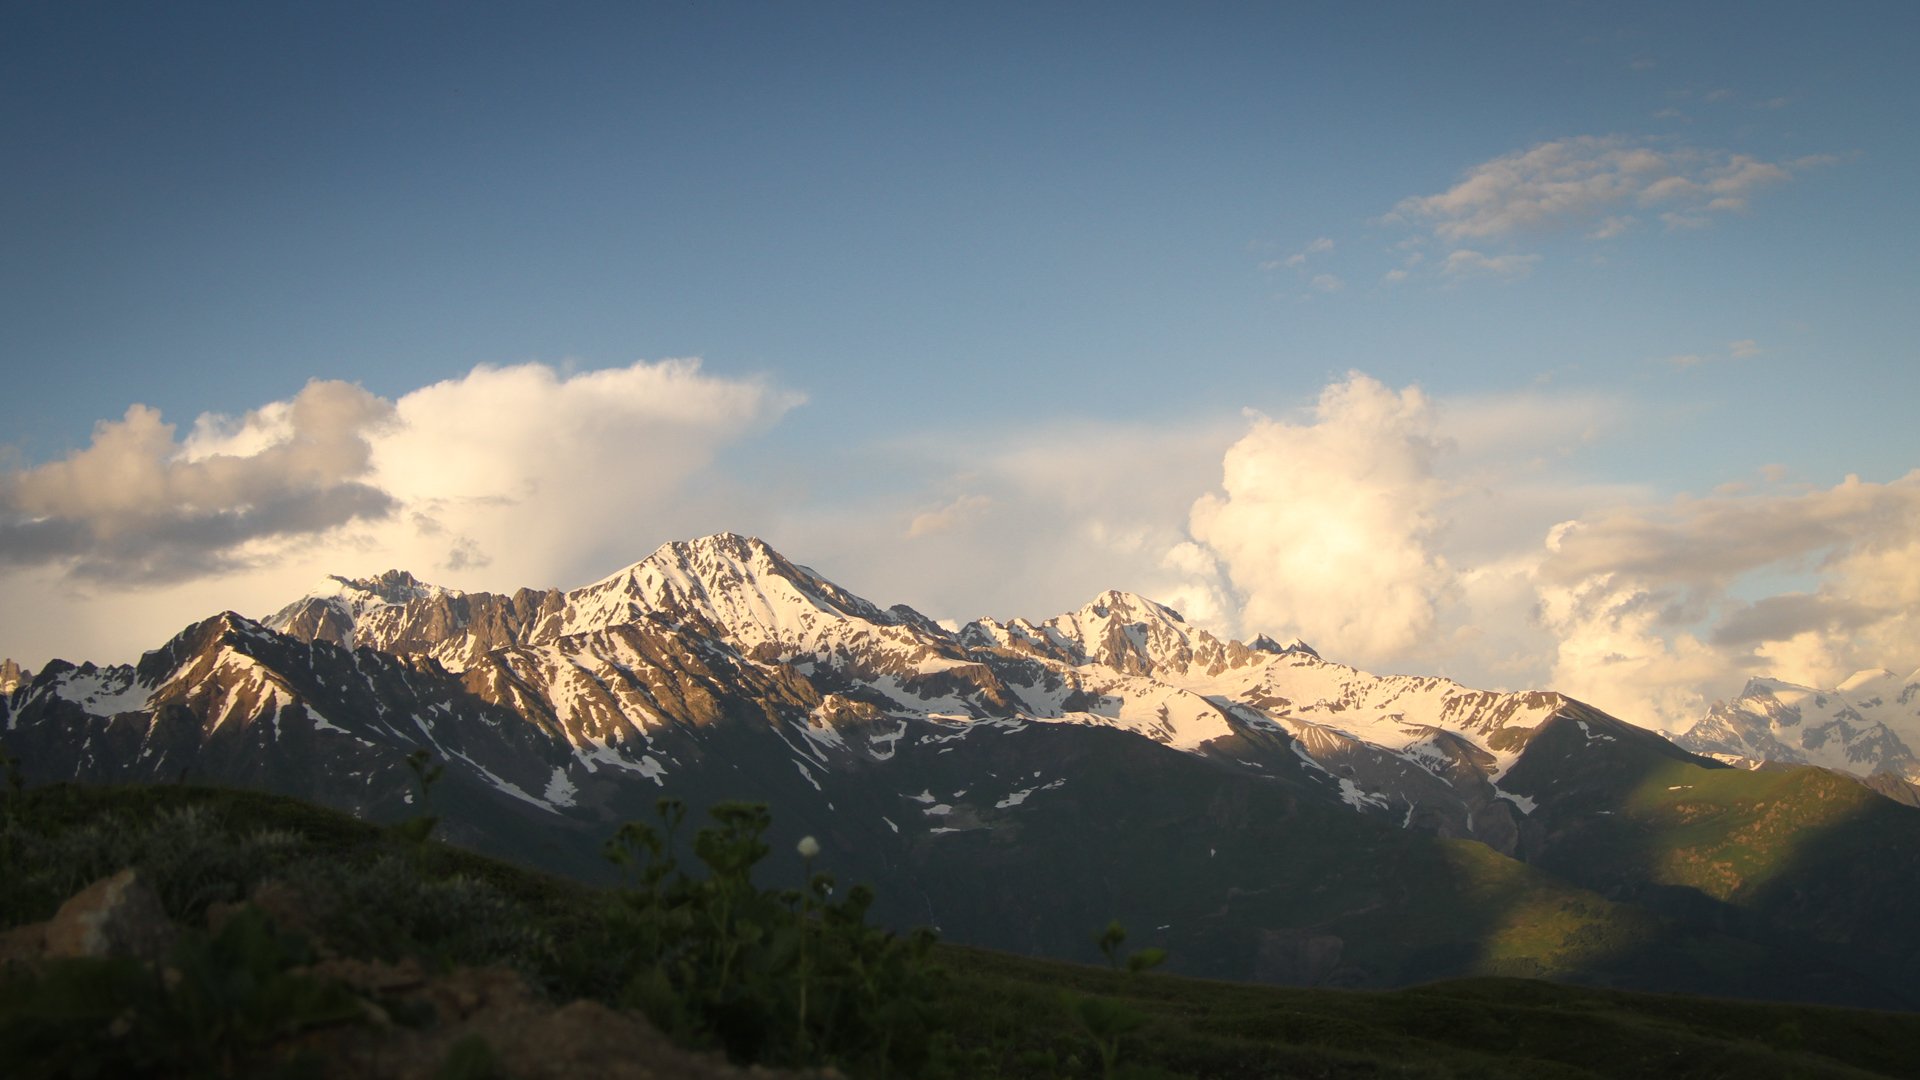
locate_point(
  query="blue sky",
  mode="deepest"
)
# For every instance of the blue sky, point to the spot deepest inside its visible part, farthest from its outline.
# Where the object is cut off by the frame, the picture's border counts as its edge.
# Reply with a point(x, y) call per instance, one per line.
point(985, 297)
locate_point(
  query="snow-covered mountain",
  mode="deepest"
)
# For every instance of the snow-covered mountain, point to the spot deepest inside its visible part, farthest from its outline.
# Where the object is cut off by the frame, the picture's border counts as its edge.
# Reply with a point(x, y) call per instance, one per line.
point(1004, 779)
point(1868, 725)
point(1423, 751)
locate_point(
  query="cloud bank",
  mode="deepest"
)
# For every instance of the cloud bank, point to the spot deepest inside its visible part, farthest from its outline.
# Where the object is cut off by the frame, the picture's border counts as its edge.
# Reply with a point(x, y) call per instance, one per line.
point(1391, 529)
point(138, 508)
point(505, 476)
point(1401, 534)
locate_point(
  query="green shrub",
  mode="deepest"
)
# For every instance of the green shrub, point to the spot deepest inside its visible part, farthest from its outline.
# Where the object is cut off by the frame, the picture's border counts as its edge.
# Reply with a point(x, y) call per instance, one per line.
point(787, 976)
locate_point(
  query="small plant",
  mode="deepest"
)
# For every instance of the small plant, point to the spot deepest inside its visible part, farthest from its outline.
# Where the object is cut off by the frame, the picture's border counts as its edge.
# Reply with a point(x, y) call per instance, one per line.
point(791, 976)
point(426, 773)
point(1106, 1020)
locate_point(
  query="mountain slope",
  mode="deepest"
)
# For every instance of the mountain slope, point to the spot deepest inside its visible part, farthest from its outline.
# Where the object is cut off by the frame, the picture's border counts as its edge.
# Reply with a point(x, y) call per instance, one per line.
point(1268, 813)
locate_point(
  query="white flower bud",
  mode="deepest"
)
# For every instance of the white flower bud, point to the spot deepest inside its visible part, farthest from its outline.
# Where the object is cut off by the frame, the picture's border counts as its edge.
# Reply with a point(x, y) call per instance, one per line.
point(808, 847)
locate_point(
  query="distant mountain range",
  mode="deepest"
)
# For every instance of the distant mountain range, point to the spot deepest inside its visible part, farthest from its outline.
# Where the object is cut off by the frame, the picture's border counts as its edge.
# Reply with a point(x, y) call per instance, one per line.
point(1261, 812)
point(1866, 726)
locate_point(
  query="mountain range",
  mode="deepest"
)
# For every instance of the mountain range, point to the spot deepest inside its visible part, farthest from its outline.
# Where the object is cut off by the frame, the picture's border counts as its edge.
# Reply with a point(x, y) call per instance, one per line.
point(1260, 811)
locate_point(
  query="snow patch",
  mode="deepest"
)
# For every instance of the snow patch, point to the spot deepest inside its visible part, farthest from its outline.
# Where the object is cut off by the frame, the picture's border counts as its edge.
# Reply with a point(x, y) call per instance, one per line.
point(560, 790)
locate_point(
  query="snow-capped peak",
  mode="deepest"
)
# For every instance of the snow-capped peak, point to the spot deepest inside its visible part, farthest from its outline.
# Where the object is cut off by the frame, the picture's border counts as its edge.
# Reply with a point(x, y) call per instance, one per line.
point(1869, 723)
point(739, 584)
point(354, 598)
point(1263, 643)
point(1862, 680)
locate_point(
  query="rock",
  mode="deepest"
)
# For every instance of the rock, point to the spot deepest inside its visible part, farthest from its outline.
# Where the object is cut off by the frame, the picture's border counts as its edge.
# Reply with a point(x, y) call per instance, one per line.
point(115, 916)
point(12, 676)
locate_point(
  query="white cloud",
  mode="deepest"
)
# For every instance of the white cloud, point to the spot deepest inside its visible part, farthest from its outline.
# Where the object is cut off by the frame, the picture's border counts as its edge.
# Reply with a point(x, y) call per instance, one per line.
point(1567, 183)
point(1325, 529)
point(1392, 530)
point(504, 477)
point(1049, 517)
point(1642, 597)
point(1326, 283)
point(1469, 263)
point(138, 508)
point(1318, 247)
point(1744, 349)
point(546, 475)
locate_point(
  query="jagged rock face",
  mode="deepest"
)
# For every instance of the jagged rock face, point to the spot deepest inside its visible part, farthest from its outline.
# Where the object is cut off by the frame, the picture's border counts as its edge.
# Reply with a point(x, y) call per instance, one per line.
point(1867, 726)
point(12, 677)
point(396, 613)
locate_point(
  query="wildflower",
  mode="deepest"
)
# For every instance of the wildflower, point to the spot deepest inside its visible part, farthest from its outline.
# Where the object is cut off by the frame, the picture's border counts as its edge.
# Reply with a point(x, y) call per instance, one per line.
point(808, 847)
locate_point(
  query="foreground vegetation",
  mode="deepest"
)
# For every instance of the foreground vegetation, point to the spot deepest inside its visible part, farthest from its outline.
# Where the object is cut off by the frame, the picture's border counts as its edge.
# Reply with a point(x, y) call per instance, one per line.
point(774, 973)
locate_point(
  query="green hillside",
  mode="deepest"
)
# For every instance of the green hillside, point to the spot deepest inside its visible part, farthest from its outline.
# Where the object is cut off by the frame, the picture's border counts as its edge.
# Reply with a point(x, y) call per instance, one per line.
point(382, 893)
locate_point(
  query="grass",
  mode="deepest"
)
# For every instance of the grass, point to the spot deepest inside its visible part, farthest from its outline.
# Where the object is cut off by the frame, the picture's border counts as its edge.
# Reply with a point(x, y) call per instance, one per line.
point(794, 976)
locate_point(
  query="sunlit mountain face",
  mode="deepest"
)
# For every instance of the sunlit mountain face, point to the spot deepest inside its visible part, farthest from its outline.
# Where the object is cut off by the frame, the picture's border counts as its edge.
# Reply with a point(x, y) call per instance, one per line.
point(1268, 813)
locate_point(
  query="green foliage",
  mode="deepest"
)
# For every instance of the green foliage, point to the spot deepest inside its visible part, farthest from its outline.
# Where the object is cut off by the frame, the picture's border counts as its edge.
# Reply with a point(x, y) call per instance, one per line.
point(190, 855)
point(419, 828)
point(785, 976)
point(1106, 1019)
point(217, 1007)
point(387, 907)
point(664, 936)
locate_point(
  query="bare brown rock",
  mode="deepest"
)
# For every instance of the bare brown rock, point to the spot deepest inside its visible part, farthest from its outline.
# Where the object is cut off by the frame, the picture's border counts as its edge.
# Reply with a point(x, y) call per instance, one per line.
point(115, 916)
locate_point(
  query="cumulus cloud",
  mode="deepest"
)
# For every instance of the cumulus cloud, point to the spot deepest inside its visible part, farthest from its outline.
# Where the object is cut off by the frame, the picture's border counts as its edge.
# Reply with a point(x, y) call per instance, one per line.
point(1325, 529)
point(138, 507)
point(503, 477)
point(1569, 183)
point(541, 476)
point(1615, 647)
point(1641, 598)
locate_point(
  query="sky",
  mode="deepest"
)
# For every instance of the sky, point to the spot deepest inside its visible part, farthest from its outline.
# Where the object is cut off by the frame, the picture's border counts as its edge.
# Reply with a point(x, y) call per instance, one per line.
point(1562, 345)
